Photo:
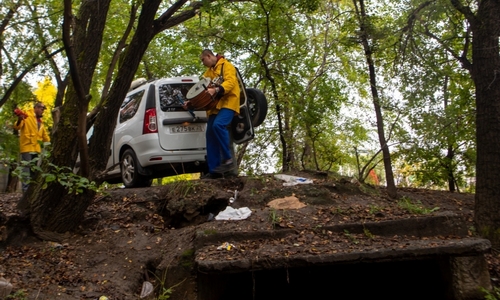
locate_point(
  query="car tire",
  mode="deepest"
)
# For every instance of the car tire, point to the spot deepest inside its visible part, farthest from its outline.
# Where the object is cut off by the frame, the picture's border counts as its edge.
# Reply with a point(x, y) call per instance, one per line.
point(257, 106)
point(129, 167)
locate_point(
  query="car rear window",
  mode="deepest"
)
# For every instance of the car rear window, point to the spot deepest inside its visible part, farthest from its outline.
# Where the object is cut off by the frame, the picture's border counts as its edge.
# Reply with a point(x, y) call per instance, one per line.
point(130, 105)
point(172, 96)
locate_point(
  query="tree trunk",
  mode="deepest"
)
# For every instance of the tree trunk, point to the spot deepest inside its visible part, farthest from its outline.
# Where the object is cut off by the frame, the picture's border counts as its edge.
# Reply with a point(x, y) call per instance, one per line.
point(389, 175)
point(52, 209)
point(486, 76)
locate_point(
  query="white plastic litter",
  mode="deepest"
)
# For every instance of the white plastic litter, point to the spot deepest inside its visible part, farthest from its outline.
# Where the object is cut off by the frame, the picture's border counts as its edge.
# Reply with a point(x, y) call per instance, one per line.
point(234, 214)
point(5, 288)
point(292, 180)
point(147, 289)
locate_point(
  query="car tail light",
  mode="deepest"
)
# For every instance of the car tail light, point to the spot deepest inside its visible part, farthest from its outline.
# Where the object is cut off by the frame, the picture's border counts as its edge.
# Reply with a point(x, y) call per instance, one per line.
point(150, 124)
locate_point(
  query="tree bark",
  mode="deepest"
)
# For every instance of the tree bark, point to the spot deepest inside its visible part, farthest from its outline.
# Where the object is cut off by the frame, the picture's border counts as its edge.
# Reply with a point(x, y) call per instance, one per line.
point(53, 210)
point(486, 76)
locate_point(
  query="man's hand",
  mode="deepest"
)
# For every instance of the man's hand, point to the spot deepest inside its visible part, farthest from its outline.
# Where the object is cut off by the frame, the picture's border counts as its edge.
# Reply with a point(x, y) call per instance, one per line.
point(186, 105)
point(212, 91)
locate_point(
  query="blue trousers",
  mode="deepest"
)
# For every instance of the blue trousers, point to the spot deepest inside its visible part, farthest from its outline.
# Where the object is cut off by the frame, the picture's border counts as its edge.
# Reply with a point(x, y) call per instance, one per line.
point(217, 136)
point(28, 156)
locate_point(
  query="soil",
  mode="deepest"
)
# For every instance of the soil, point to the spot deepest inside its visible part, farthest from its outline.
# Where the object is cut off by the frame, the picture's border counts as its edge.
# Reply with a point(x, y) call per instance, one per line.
point(133, 237)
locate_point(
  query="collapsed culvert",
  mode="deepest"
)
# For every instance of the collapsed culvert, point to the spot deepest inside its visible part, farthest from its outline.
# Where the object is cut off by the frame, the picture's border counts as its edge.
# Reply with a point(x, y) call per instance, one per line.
point(298, 264)
point(423, 279)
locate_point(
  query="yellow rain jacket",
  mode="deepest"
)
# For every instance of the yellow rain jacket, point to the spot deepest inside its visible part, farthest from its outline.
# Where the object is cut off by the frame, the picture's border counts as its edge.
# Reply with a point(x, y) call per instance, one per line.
point(30, 134)
point(231, 98)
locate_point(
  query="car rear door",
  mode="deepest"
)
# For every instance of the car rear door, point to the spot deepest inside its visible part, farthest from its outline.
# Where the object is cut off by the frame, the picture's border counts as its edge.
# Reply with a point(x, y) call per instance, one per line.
point(179, 129)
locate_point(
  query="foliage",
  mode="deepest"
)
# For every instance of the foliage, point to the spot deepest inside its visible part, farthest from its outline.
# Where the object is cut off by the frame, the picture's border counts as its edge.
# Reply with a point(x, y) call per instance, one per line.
point(415, 207)
point(276, 218)
point(351, 237)
point(182, 187)
point(46, 93)
point(72, 182)
point(164, 292)
point(491, 295)
point(18, 295)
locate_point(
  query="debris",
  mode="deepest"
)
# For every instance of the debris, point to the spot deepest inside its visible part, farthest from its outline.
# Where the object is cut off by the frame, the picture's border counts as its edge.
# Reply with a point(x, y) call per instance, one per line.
point(5, 288)
point(292, 180)
point(147, 289)
point(232, 199)
point(234, 214)
point(290, 202)
point(55, 245)
point(226, 245)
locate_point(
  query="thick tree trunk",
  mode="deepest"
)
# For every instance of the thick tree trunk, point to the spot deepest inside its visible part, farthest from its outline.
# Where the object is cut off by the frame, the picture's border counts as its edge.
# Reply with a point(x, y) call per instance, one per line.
point(53, 210)
point(486, 76)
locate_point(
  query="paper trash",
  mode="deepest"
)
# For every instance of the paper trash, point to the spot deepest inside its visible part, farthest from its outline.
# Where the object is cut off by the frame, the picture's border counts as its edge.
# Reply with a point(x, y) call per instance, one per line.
point(292, 180)
point(234, 214)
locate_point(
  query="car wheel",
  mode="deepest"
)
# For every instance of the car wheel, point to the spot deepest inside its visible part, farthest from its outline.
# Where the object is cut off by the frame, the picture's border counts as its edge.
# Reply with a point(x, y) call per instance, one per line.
point(130, 170)
point(257, 105)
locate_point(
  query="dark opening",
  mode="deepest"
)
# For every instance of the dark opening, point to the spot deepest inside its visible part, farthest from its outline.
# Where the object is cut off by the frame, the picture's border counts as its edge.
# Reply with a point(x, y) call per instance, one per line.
point(421, 279)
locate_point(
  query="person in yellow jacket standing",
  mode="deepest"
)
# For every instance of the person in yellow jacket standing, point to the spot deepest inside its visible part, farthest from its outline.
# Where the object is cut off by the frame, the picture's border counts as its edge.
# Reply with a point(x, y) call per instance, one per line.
point(32, 133)
point(227, 90)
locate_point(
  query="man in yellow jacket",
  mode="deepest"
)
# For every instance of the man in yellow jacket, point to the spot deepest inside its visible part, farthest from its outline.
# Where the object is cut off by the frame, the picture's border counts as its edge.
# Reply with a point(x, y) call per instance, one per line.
point(227, 90)
point(32, 133)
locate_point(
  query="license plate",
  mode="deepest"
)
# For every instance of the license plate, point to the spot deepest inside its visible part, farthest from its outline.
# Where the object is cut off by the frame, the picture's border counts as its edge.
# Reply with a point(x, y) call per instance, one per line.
point(186, 128)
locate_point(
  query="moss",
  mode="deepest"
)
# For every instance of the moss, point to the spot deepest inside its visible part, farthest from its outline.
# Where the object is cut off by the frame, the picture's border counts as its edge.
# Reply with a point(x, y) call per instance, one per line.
point(209, 232)
point(187, 258)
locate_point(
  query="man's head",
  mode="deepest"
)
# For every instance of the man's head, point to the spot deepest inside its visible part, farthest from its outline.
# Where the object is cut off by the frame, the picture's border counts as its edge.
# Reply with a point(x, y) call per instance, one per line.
point(39, 109)
point(208, 58)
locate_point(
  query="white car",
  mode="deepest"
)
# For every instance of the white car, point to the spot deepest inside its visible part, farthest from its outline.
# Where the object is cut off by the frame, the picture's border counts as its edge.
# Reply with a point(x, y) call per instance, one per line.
point(156, 137)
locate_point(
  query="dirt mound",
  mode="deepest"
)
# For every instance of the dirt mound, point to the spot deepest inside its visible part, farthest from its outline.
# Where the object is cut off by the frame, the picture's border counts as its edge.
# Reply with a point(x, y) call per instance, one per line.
point(132, 236)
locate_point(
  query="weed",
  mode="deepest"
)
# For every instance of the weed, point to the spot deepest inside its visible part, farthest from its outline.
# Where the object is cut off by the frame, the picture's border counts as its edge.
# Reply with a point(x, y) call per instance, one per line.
point(337, 211)
point(415, 208)
point(275, 219)
point(472, 230)
point(181, 188)
point(18, 295)
point(368, 233)
point(491, 295)
point(165, 292)
point(374, 209)
point(350, 237)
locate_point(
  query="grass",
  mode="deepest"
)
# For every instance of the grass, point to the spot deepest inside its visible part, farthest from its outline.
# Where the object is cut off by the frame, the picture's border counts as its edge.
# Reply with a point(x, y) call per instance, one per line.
point(181, 188)
point(415, 207)
point(275, 218)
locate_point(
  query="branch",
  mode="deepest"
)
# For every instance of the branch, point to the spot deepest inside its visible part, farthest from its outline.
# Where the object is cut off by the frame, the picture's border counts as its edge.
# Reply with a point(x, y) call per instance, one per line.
point(68, 46)
point(20, 77)
point(465, 10)
point(466, 64)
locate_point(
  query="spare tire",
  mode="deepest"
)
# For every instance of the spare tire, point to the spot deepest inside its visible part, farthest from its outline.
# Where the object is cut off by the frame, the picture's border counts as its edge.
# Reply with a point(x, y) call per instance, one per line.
point(257, 106)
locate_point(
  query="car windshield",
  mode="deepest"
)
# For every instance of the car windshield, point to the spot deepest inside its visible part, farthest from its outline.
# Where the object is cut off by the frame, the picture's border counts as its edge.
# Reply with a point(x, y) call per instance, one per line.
point(172, 96)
